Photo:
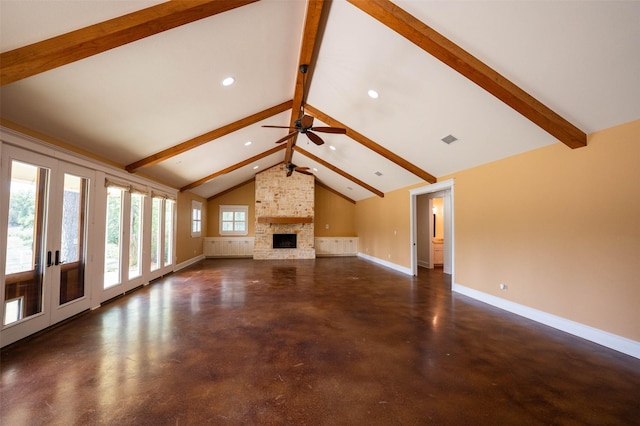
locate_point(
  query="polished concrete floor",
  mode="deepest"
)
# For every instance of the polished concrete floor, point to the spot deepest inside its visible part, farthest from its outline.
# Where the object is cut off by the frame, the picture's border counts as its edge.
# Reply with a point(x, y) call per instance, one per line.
point(335, 341)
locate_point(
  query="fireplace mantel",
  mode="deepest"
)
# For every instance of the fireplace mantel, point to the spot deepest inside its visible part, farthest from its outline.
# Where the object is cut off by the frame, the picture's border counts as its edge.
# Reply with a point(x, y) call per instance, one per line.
point(283, 219)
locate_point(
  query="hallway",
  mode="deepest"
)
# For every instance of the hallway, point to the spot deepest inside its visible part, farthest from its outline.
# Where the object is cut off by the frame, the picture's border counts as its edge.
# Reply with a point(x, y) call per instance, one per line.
point(331, 341)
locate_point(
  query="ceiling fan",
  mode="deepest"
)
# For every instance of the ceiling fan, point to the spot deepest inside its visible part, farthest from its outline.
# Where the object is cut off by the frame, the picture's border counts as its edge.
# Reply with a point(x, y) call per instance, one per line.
point(304, 123)
point(293, 168)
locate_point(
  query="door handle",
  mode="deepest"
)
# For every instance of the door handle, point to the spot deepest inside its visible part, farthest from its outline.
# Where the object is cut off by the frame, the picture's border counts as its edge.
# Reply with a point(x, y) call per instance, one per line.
point(57, 257)
point(49, 259)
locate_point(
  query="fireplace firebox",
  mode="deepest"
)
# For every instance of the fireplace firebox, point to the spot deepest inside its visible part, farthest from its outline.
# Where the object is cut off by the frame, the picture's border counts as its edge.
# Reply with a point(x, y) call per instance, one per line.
point(284, 241)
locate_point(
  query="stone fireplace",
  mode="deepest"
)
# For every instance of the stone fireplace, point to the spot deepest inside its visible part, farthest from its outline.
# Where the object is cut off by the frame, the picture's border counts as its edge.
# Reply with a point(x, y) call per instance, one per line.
point(284, 206)
point(284, 241)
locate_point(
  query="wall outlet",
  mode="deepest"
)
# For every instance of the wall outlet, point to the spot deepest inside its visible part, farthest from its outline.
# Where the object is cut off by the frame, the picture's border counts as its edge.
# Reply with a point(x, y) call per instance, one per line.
point(503, 287)
point(326, 226)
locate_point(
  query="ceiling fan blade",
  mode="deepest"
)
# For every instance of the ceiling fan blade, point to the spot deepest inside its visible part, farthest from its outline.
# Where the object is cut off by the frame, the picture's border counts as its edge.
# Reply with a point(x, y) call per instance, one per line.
point(314, 138)
point(289, 136)
point(307, 121)
point(329, 130)
point(304, 172)
point(278, 127)
point(301, 168)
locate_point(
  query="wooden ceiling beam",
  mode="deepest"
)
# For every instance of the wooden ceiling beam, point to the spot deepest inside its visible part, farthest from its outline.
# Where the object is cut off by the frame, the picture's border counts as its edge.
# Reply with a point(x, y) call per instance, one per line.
point(372, 145)
point(475, 70)
point(232, 168)
point(310, 41)
point(340, 172)
point(207, 137)
point(64, 49)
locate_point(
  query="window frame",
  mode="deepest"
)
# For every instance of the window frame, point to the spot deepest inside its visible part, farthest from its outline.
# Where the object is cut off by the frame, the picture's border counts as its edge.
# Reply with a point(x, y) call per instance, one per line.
point(234, 209)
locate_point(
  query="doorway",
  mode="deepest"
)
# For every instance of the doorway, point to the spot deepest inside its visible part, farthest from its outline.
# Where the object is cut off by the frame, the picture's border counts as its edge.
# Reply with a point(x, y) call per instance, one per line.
point(46, 212)
point(424, 223)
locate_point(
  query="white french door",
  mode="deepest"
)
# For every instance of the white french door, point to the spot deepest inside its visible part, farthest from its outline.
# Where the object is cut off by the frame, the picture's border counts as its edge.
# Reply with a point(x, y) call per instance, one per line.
point(44, 218)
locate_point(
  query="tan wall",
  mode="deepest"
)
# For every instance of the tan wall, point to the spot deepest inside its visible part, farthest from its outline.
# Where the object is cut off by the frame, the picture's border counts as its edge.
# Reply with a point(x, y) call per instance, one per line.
point(383, 226)
point(330, 208)
point(334, 211)
point(188, 247)
point(560, 227)
point(243, 196)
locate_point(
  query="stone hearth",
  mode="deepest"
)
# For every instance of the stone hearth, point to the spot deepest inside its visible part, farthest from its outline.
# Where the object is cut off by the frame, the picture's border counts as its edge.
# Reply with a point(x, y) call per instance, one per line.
point(284, 205)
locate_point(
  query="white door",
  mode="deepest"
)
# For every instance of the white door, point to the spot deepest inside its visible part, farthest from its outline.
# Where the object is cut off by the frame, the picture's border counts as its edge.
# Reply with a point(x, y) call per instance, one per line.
point(45, 223)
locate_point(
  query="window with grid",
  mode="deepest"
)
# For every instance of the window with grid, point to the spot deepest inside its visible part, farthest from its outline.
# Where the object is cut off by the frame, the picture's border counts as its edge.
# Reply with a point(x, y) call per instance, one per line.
point(234, 220)
point(196, 218)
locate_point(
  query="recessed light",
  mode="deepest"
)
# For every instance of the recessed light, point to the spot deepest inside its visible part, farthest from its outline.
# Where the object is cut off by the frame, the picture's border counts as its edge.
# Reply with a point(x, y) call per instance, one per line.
point(256, 167)
point(315, 170)
point(373, 94)
point(247, 143)
point(228, 81)
point(449, 139)
point(332, 148)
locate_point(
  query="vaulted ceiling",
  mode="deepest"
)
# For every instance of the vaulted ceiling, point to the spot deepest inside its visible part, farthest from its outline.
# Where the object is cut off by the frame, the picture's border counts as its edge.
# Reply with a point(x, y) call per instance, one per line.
point(138, 83)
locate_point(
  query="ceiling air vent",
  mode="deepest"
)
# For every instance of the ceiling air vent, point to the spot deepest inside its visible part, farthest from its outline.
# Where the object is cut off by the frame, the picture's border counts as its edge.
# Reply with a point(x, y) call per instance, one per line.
point(378, 174)
point(449, 139)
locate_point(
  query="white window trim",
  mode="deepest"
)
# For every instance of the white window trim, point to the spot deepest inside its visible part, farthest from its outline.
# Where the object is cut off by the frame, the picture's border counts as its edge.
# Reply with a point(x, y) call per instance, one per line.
point(234, 208)
point(196, 205)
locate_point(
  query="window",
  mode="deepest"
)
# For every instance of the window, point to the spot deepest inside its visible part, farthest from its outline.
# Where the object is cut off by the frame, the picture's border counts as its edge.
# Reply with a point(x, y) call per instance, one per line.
point(135, 235)
point(196, 218)
point(234, 220)
point(168, 232)
point(156, 233)
point(113, 240)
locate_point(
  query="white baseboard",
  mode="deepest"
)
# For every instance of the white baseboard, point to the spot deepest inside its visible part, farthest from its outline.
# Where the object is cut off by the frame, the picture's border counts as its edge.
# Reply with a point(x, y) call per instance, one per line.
point(188, 262)
point(604, 338)
point(385, 263)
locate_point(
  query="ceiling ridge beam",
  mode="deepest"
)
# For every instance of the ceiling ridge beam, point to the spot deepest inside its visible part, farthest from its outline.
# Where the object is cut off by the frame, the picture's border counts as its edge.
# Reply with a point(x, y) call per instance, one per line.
point(66, 48)
point(231, 168)
point(377, 148)
point(308, 47)
point(207, 137)
point(340, 172)
point(472, 68)
point(338, 193)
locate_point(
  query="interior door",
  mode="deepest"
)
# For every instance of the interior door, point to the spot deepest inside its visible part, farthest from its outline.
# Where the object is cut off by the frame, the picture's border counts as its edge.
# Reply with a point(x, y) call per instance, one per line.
point(43, 242)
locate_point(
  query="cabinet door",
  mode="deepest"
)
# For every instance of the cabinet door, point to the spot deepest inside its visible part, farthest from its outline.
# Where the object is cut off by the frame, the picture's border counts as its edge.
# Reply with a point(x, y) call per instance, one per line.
point(322, 246)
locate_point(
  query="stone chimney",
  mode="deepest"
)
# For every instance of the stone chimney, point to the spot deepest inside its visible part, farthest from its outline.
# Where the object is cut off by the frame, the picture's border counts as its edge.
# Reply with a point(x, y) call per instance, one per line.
point(284, 205)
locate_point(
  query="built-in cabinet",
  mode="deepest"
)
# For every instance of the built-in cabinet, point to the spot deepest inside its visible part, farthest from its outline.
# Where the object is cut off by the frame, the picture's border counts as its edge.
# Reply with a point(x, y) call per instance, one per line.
point(228, 247)
point(336, 246)
point(243, 246)
point(438, 251)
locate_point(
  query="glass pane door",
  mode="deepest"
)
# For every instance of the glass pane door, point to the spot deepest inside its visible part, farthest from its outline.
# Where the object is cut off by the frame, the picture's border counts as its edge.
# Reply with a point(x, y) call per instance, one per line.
point(69, 241)
point(44, 248)
point(25, 258)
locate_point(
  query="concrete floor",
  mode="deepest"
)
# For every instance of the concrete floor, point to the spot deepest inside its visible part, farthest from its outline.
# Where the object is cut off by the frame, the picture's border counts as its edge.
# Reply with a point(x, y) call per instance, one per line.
point(335, 341)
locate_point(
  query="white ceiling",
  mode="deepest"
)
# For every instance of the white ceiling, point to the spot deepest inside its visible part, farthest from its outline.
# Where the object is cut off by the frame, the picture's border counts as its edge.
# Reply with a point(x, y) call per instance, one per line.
point(580, 58)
